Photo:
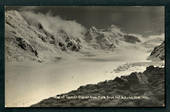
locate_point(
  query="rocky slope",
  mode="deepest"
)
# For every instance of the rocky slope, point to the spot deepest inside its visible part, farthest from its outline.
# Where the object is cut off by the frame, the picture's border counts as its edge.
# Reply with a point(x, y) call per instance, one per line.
point(33, 42)
point(158, 53)
point(138, 89)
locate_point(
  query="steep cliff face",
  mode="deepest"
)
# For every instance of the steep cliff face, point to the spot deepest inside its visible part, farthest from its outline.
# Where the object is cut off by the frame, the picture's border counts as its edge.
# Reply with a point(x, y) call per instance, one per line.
point(138, 89)
point(158, 53)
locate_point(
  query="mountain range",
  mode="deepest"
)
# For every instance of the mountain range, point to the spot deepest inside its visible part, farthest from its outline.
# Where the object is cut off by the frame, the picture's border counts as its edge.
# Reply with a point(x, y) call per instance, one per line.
point(32, 37)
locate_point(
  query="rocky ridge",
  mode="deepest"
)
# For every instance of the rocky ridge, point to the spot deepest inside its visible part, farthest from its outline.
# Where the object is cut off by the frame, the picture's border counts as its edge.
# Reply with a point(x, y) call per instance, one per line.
point(135, 90)
point(158, 52)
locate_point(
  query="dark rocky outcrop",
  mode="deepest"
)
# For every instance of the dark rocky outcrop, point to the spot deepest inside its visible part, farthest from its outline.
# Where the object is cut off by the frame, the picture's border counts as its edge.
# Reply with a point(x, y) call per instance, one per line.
point(25, 45)
point(138, 89)
point(131, 39)
point(158, 53)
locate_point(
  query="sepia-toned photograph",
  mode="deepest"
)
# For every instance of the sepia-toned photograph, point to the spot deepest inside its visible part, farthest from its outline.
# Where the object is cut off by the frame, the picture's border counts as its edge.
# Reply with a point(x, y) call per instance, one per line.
point(84, 56)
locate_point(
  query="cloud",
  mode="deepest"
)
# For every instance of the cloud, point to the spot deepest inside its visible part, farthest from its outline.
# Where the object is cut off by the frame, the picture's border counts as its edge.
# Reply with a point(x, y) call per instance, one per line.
point(54, 24)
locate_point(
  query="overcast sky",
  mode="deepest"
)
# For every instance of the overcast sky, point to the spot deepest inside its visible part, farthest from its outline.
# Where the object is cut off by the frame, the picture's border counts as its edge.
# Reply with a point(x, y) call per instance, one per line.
point(145, 20)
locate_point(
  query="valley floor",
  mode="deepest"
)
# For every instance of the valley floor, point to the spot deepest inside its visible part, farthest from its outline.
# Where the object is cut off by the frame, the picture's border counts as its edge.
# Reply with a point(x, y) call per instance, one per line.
point(27, 83)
